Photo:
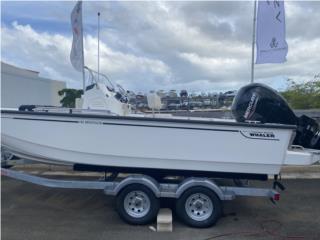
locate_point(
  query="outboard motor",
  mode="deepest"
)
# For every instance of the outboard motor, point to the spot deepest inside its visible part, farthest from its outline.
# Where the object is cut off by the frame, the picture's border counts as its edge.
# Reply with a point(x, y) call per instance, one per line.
point(258, 102)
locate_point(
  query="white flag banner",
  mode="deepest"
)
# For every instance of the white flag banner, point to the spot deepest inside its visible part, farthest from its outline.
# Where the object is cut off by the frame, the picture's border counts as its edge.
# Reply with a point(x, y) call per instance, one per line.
point(76, 55)
point(271, 40)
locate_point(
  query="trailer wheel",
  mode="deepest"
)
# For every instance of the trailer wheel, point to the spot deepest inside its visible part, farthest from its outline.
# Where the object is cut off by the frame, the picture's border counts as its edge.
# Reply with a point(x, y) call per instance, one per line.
point(137, 204)
point(199, 207)
point(6, 156)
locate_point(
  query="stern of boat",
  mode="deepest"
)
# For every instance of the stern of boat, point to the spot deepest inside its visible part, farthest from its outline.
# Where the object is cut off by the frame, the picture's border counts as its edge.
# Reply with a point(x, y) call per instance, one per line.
point(302, 156)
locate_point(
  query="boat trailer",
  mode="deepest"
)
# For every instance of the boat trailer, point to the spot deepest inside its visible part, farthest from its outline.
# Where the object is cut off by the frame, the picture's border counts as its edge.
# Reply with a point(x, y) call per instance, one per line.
point(198, 200)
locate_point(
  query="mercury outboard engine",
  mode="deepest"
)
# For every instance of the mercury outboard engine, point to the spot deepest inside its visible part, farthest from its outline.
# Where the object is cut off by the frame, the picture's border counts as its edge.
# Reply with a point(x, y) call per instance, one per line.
point(258, 102)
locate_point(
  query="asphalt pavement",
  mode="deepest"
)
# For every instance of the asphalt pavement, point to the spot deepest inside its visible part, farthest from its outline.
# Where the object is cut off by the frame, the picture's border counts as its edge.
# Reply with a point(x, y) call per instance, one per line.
point(36, 213)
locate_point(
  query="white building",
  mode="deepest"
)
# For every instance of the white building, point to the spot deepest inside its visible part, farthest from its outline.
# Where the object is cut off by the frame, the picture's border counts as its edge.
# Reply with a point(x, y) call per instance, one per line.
point(22, 86)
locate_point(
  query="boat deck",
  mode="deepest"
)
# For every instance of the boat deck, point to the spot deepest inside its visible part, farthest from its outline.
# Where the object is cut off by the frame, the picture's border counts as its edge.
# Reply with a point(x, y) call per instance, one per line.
point(102, 114)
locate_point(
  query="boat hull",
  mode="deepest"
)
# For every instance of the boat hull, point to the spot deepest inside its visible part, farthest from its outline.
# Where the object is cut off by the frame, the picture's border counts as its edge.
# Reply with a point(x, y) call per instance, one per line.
point(146, 143)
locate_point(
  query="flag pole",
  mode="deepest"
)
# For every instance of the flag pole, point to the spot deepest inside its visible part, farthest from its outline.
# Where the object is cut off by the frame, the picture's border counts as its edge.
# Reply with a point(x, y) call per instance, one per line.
point(253, 39)
point(98, 46)
point(83, 73)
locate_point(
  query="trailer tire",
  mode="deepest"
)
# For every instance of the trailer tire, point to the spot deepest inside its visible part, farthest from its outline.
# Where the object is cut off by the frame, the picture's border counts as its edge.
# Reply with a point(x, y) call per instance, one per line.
point(199, 207)
point(136, 204)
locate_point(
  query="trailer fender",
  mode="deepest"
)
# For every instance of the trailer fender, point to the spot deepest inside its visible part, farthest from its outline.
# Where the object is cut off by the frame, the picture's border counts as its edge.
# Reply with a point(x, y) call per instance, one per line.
point(147, 181)
point(203, 182)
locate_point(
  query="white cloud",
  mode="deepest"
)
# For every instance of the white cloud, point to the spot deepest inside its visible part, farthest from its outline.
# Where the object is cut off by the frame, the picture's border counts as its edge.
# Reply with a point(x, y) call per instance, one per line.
point(49, 54)
point(215, 66)
point(167, 45)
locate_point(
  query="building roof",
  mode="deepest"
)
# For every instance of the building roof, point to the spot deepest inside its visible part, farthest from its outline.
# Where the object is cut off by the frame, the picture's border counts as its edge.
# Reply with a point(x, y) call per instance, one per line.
point(8, 68)
point(23, 72)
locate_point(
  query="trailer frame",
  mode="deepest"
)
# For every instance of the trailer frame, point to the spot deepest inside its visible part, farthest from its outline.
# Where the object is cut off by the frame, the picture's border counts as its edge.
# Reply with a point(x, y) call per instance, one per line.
point(149, 184)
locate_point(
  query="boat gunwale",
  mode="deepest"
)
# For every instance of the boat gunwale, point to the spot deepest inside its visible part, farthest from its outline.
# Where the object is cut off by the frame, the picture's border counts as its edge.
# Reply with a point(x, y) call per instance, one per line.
point(152, 119)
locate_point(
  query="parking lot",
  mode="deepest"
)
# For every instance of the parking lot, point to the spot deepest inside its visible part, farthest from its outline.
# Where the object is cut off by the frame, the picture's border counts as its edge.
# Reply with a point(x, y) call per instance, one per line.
point(34, 212)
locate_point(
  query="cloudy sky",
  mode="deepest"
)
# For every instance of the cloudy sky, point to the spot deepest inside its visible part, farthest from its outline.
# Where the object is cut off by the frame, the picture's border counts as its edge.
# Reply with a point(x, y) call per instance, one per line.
point(198, 46)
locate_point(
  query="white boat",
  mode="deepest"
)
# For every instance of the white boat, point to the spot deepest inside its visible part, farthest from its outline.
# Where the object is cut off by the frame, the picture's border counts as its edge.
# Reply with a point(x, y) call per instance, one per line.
point(105, 132)
point(152, 143)
point(143, 142)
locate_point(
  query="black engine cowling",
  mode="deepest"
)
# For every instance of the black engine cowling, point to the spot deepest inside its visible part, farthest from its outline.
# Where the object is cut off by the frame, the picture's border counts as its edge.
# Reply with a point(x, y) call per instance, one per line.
point(258, 102)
